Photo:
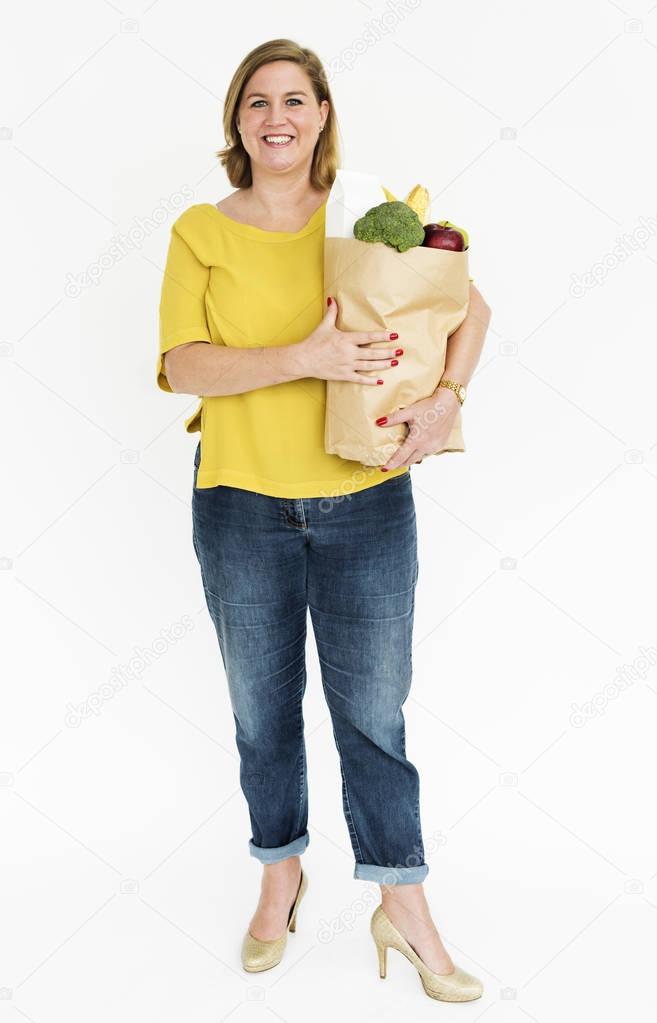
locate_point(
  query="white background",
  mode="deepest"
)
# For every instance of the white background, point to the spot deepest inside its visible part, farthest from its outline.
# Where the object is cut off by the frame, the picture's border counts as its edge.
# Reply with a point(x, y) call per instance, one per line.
point(127, 883)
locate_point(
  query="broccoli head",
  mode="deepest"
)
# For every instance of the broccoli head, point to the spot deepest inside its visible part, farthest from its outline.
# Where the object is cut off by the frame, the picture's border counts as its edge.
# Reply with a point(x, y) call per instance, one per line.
point(393, 223)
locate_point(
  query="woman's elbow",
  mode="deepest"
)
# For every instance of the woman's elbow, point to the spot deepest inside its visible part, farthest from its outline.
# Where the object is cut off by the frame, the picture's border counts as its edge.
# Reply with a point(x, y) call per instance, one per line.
point(483, 308)
point(169, 370)
point(174, 363)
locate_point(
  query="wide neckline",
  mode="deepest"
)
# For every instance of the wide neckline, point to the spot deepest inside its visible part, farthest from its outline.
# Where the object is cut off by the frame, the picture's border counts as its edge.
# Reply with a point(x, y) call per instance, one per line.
point(251, 231)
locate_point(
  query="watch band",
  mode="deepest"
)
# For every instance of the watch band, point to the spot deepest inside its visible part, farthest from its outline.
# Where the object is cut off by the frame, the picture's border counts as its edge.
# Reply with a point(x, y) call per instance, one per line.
point(459, 389)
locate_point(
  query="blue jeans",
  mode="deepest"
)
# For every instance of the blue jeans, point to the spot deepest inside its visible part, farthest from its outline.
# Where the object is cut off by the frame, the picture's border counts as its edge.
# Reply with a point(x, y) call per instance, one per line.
point(353, 562)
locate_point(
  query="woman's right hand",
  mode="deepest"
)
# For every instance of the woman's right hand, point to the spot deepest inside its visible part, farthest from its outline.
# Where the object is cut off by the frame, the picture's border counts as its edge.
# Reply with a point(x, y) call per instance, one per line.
point(332, 354)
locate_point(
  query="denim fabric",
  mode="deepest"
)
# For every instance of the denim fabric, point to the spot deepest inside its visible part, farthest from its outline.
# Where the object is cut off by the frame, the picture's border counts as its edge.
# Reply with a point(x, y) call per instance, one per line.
point(352, 561)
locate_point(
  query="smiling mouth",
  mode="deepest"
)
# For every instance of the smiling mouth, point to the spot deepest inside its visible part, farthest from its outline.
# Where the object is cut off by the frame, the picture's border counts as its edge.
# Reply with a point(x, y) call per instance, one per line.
point(278, 140)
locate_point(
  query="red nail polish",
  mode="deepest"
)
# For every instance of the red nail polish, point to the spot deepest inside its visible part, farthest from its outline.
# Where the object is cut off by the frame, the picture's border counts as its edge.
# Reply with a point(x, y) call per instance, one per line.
point(328, 301)
point(381, 420)
point(393, 337)
point(383, 470)
point(379, 381)
point(395, 362)
point(400, 351)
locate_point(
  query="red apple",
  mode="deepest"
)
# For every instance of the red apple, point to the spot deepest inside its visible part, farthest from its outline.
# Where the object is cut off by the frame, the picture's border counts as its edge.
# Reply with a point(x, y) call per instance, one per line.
point(437, 237)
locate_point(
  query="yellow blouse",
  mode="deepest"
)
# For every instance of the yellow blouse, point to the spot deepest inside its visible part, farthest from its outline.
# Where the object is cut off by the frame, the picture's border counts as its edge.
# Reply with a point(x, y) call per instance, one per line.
point(234, 284)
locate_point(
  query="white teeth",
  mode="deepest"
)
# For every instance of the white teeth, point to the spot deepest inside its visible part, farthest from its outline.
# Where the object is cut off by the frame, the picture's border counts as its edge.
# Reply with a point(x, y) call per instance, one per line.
point(279, 139)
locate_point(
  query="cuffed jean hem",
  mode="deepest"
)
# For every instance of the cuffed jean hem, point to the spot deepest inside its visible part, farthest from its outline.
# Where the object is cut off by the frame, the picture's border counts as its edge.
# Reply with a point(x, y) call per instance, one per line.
point(391, 875)
point(274, 855)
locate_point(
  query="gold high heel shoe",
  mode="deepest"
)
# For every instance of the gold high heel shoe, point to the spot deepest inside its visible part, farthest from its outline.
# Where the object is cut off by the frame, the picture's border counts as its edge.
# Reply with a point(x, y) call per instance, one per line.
point(457, 986)
point(260, 955)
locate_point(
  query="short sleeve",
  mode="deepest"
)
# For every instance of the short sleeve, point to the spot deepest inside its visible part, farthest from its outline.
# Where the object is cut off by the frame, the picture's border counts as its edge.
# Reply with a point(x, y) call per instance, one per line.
point(183, 316)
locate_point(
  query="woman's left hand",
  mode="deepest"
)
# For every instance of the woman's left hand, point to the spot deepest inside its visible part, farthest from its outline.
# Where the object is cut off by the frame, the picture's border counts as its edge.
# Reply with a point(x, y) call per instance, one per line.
point(429, 423)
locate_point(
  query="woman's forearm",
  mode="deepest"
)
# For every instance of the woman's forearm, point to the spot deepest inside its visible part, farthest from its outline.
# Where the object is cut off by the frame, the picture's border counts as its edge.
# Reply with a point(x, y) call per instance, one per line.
point(210, 370)
point(465, 344)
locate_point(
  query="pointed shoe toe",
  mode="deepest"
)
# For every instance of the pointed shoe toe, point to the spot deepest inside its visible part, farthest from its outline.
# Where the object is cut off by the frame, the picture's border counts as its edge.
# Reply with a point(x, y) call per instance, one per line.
point(260, 955)
point(459, 986)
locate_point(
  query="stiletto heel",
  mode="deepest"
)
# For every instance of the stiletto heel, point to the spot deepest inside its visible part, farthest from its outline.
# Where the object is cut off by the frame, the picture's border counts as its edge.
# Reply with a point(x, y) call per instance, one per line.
point(260, 955)
point(382, 949)
point(457, 986)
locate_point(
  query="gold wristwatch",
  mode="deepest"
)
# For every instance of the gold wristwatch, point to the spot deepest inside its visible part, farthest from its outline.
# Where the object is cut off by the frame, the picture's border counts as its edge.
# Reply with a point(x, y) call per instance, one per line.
point(459, 389)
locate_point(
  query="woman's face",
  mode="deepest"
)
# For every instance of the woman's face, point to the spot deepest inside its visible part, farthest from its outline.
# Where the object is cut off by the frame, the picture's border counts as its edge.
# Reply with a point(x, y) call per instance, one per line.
point(278, 100)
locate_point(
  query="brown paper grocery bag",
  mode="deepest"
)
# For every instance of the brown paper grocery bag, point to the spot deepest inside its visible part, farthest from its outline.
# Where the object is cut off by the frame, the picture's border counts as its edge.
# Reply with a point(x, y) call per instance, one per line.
point(423, 294)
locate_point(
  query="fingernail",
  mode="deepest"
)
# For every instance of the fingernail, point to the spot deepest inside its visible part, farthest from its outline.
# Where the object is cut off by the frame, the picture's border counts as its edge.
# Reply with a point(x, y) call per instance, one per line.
point(400, 351)
point(393, 337)
point(379, 381)
point(381, 420)
point(328, 301)
point(383, 470)
point(394, 362)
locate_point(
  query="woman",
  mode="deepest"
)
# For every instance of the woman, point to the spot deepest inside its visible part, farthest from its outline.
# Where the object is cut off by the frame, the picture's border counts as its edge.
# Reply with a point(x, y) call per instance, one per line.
point(280, 526)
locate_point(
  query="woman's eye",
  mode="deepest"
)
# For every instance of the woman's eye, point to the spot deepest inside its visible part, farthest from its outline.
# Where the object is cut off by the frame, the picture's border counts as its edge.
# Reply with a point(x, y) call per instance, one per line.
point(292, 99)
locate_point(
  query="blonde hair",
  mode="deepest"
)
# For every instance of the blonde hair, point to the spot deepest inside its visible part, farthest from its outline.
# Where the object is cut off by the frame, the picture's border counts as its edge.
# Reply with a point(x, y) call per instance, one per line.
point(234, 157)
